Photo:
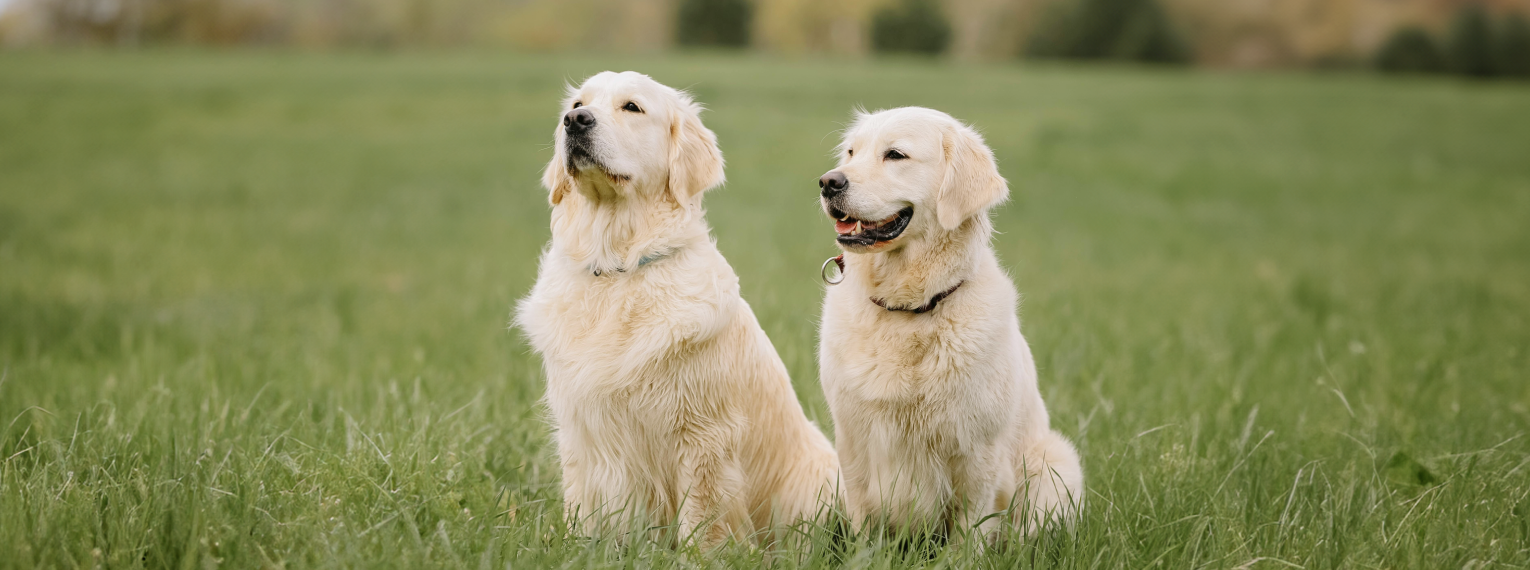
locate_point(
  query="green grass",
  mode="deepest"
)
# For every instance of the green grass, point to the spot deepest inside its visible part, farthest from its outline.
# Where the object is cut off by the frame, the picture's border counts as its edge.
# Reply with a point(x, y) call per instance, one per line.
point(254, 306)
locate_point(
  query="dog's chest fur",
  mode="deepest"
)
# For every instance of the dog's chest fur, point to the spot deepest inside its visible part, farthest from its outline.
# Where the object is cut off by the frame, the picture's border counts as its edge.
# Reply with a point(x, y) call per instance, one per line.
point(630, 360)
point(898, 357)
point(931, 377)
point(601, 336)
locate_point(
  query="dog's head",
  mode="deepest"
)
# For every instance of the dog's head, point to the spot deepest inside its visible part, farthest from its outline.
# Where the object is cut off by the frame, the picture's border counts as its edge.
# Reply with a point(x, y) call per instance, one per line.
point(624, 132)
point(908, 172)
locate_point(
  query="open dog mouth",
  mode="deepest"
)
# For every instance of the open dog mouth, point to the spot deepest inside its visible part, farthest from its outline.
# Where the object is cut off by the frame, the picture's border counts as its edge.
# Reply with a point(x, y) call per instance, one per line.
point(863, 233)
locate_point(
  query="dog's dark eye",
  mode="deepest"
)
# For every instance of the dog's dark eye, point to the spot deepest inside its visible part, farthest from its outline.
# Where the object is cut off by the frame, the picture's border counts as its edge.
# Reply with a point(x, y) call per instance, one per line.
point(578, 104)
point(893, 154)
point(850, 152)
point(632, 107)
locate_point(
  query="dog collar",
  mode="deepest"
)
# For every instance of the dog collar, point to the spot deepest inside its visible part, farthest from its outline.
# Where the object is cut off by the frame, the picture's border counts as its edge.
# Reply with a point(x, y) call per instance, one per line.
point(839, 276)
point(927, 307)
point(647, 259)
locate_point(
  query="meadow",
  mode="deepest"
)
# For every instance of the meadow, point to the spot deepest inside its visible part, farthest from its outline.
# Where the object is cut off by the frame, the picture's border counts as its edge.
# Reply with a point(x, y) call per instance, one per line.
point(255, 306)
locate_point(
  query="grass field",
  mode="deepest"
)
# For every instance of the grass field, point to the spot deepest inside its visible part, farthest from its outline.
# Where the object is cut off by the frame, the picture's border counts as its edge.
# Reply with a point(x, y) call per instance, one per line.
point(254, 306)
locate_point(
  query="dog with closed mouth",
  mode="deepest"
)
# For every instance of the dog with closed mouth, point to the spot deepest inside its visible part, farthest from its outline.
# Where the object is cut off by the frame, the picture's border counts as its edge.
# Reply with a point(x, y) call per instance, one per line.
point(670, 404)
point(937, 416)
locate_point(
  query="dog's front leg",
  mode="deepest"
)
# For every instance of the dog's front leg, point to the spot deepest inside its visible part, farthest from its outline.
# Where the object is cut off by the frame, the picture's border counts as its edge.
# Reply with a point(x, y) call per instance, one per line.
point(581, 500)
point(977, 480)
point(711, 479)
point(859, 502)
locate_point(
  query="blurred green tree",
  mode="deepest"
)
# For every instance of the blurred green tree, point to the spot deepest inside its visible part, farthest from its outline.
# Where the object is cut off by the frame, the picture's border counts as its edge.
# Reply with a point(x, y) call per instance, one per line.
point(1513, 54)
point(1410, 50)
point(1132, 30)
point(723, 23)
point(1149, 36)
point(1471, 42)
point(910, 26)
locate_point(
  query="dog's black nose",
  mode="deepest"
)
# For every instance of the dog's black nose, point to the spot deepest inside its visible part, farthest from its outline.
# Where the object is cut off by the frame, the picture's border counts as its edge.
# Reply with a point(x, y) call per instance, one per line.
point(833, 183)
point(578, 121)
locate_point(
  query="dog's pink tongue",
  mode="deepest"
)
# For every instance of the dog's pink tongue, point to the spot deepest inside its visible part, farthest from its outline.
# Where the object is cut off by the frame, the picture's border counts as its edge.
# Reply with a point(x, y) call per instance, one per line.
point(844, 227)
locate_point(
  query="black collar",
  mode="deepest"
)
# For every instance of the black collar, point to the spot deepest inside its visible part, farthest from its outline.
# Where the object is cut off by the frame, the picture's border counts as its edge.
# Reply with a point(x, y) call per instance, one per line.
point(927, 307)
point(839, 261)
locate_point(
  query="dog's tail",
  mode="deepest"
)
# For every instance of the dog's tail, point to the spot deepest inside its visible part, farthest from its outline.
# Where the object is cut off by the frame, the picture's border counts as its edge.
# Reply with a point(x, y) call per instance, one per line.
point(1052, 482)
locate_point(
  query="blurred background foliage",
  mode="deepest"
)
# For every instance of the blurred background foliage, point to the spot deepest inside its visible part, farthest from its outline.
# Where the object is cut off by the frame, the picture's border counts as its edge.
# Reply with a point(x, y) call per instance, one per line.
point(1477, 44)
point(1480, 38)
point(914, 26)
point(1132, 30)
point(723, 23)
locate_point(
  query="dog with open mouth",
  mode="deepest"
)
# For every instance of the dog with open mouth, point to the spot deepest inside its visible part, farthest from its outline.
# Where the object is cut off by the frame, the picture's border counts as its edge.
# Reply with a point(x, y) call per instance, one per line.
point(669, 403)
point(938, 420)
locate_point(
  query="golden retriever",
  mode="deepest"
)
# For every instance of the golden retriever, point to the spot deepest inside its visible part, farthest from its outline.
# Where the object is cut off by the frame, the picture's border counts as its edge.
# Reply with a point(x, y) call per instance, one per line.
point(670, 404)
point(937, 417)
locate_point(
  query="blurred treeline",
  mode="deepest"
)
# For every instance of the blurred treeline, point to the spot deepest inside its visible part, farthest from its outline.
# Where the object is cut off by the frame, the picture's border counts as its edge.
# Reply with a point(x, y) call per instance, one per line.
point(1236, 33)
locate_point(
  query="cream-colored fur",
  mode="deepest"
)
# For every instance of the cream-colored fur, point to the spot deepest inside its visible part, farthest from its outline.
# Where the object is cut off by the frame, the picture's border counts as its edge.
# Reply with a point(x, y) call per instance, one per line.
point(669, 403)
point(938, 419)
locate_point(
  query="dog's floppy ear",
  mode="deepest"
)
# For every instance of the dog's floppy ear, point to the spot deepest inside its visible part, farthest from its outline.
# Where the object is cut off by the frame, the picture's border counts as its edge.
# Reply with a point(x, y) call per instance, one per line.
point(695, 163)
point(556, 178)
point(972, 182)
